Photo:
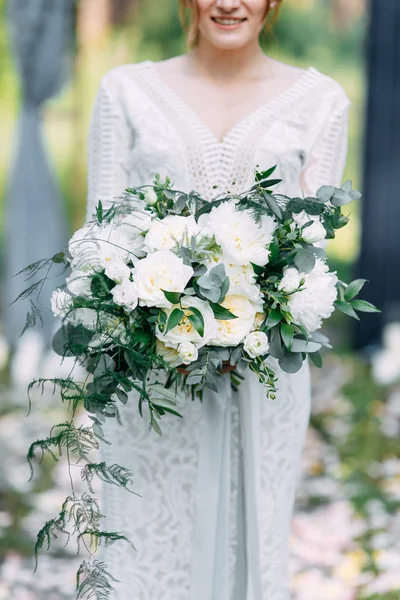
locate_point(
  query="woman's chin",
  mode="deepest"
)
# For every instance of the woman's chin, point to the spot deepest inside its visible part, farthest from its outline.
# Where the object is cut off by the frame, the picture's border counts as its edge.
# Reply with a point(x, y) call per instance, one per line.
point(228, 42)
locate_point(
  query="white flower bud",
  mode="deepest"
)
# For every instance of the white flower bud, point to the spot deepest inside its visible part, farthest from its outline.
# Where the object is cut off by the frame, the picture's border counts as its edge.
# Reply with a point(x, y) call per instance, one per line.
point(188, 352)
point(256, 344)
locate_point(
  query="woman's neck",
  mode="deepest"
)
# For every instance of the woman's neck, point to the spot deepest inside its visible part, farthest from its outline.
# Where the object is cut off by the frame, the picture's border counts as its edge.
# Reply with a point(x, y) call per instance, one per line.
point(224, 65)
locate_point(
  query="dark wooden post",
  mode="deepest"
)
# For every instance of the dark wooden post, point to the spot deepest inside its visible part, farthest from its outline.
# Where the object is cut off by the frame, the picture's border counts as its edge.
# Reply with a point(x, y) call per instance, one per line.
point(380, 246)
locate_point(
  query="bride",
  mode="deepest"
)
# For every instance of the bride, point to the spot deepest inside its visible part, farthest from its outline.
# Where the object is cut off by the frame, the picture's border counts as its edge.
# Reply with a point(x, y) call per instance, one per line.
point(216, 491)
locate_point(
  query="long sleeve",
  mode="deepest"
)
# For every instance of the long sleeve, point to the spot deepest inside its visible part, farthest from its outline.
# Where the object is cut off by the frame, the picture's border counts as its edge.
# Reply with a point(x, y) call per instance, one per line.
point(326, 161)
point(109, 142)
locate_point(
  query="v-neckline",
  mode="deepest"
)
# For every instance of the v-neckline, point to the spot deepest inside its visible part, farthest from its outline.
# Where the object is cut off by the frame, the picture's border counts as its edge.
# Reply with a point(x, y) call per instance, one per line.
point(198, 123)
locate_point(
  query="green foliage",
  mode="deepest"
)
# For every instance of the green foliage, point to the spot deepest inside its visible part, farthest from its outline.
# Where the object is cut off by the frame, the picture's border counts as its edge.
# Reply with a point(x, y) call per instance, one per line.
point(93, 581)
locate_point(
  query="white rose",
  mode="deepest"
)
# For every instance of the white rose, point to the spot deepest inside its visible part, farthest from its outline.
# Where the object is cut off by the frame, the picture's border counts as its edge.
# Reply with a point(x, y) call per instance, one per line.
point(164, 234)
point(188, 352)
point(170, 355)
point(290, 281)
point(162, 270)
point(118, 271)
point(126, 295)
point(241, 238)
point(314, 232)
point(150, 196)
point(185, 332)
point(79, 283)
point(233, 331)
point(256, 344)
point(61, 303)
point(315, 302)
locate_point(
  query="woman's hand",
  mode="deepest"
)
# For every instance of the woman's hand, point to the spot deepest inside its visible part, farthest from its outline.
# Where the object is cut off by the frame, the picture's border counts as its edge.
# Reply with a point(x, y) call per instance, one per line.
point(226, 368)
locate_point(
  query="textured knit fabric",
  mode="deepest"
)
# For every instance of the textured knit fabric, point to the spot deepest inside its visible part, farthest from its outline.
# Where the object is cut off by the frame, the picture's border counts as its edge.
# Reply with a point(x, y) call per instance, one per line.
point(141, 127)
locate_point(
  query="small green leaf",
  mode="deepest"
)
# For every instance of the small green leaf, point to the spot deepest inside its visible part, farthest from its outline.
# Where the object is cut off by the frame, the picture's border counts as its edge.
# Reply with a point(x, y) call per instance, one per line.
point(174, 319)
point(221, 313)
point(172, 297)
point(304, 346)
point(354, 288)
point(274, 252)
point(364, 306)
point(197, 320)
point(316, 359)
point(346, 309)
point(273, 205)
point(304, 261)
point(274, 317)
point(287, 335)
point(122, 396)
point(325, 193)
point(291, 362)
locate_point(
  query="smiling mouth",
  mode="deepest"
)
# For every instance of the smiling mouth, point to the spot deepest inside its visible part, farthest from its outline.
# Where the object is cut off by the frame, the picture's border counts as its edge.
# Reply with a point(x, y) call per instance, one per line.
point(227, 21)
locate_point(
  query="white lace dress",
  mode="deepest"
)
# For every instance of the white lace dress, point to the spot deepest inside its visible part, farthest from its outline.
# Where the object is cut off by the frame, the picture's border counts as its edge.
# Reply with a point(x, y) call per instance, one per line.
point(217, 489)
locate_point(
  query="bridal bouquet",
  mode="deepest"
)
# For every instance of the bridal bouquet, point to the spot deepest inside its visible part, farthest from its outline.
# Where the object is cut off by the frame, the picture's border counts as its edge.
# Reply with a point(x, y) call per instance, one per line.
point(167, 292)
point(164, 280)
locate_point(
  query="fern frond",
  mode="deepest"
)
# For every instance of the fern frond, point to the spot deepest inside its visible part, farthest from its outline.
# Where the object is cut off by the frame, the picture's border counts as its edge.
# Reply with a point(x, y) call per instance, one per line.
point(93, 581)
point(79, 441)
point(114, 474)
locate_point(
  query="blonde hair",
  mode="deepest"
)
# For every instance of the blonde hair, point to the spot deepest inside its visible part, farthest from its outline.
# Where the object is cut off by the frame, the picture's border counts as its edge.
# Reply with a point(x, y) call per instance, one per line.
point(191, 24)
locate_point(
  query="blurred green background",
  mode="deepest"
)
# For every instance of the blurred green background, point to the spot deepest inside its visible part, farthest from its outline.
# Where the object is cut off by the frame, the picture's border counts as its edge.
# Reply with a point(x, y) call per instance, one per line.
point(346, 530)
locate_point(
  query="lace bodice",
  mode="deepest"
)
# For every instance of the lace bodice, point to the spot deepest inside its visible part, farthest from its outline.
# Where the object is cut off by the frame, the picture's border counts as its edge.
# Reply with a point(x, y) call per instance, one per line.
point(141, 127)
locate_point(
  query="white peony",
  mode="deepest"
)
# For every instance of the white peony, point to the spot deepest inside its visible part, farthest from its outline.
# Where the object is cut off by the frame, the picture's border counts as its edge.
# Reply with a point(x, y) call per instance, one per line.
point(256, 344)
point(170, 355)
point(118, 271)
point(233, 331)
point(160, 271)
point(166, 233)
point(188, 352)
point(61, 303)
point(290, 281)
point(79, 283)
point(315, 302)
point(185, 332)
point(126, 295)
point(241, 238)
point(243, 281)
point(314, 232)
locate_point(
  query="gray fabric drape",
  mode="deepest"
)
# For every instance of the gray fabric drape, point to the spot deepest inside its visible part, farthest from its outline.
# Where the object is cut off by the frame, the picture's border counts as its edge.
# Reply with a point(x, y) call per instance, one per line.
point(35, 224)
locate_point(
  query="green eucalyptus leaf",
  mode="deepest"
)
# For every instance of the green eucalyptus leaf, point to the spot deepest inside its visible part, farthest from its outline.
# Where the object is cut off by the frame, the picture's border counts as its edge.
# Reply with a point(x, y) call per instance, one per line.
point(121, 395)
point(304, 261)
point(325, 193)
point(347, 186)
point(316, 359)
point(304, 346)
point(341, 198)
point(174, 319)
point(291, 362)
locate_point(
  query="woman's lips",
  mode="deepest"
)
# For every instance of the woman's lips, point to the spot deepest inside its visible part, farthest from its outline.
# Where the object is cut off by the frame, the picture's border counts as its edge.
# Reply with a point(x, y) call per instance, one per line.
point(228, 24)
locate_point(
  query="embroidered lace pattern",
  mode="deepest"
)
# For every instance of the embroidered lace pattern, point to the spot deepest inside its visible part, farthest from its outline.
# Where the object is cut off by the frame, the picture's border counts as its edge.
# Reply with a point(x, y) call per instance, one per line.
point(159, 521)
